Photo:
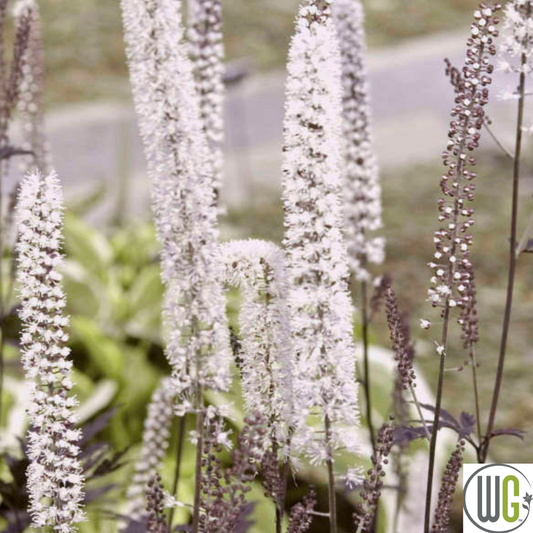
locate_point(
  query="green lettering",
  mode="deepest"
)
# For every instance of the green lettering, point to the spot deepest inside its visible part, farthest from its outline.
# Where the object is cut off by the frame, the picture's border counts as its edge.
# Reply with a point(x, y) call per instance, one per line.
point(515, 505)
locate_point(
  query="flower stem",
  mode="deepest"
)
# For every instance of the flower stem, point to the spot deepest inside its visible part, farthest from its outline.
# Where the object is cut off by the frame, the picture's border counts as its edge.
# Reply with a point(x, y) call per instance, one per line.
point(199, 450)
point(476, 391)
point(512, 257)
point(177, 469)
point(331, 480)
point(419, 410)
point(435, 430)
point(366, 367)
point(2, 344)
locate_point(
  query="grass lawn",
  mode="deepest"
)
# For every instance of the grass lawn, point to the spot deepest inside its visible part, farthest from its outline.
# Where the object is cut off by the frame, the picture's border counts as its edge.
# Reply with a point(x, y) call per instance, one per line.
point(84, 47)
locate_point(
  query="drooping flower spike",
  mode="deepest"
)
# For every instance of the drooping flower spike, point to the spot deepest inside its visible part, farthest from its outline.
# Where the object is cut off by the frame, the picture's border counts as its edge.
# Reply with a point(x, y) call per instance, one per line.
point(55, 479)
point(258, 269)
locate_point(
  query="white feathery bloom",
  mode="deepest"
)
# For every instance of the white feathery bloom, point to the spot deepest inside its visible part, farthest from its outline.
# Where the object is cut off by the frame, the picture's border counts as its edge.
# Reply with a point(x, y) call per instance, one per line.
point(517, 35)
point(257, 268)
point(319, 302)
point(207, 55)
point(156, 437)
point(362, 190)
point(31, 101)
point(55, 479)
point(181, 176)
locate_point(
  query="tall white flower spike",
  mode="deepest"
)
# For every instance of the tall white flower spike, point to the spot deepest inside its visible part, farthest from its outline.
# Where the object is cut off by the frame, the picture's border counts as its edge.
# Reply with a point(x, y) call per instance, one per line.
point(207, 55)
point(180, 169)
point(319, 302)
point(362, 190)
point(31, 101)
point(55, 479)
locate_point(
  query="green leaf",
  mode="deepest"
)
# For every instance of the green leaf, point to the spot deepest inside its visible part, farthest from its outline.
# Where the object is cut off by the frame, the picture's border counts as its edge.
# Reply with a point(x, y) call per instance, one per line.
point(104, 352)
point(86, 245)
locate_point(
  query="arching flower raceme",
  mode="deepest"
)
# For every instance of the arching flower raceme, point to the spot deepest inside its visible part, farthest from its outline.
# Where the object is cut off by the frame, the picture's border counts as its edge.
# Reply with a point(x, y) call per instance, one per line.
point(30, 105)
point(320, 306)
point(180, 170)
point(452, 266)
point(156, 437)
point(55, 479)
point(362, 190)
point(207, 55)
point(258, 269)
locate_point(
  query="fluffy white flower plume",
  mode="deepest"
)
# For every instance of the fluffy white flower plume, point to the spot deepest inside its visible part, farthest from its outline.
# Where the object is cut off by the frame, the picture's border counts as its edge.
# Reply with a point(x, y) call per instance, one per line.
point(31, 101)
point(258, 269)
point(179, 165)
point(207, 55)
point(362, 190)
point(517, 35)
point(156, 437)
point(320, 305)
point(55, 479)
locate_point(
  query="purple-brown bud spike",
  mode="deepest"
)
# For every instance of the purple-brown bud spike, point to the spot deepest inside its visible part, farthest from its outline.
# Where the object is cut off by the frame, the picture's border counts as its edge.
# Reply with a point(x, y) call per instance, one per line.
point(403, 349)
point(447, 490)
point(452, 269)
point(373, 482)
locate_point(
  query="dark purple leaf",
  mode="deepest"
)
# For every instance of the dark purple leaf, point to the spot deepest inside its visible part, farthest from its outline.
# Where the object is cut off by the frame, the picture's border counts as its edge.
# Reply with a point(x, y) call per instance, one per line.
point(445, 417)
point(467, 422)
point(405, 434)
point(243, 523)
point(94, 427)
point(110, 465)
point(93, 494)
point(512, 432)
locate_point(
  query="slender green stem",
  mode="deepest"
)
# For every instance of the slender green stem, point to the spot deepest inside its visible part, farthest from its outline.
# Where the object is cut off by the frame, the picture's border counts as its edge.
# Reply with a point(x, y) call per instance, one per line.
point(512, 256)
point(331, 480)
point(366, 363)
point(177, 469)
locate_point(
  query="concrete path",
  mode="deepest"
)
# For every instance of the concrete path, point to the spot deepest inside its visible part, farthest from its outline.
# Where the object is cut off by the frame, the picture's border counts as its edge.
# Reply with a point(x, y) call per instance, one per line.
point(411, 100)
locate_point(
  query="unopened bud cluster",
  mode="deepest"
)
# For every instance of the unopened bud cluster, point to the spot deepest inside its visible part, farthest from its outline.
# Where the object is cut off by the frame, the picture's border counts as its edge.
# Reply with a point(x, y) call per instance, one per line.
point(451, 266)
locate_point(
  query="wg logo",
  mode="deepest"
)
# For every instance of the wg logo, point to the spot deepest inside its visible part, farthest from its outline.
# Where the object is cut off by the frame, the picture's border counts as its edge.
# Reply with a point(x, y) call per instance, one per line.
point(496, 498)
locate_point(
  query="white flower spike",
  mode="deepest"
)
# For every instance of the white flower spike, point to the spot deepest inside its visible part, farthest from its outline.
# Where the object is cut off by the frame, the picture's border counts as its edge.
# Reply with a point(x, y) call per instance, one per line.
point(317, 259)
point(180, 169)
point(362, 190)
point(55, 479)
